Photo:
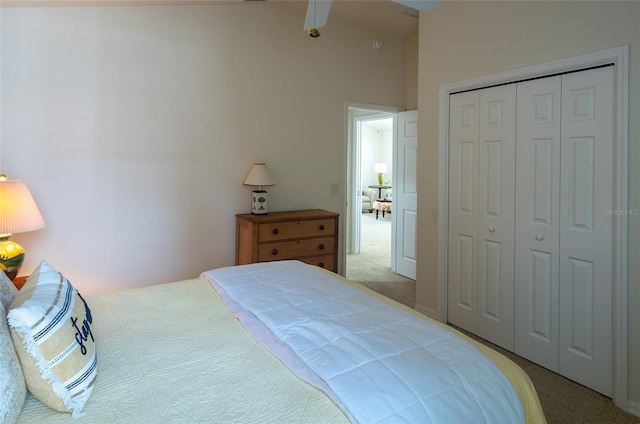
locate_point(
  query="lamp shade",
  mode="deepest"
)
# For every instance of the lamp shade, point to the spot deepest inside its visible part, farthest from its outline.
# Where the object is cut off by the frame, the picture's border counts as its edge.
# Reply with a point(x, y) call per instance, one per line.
point(18, 214)
point(380, 167)
point(259, 176)
point(18, 211)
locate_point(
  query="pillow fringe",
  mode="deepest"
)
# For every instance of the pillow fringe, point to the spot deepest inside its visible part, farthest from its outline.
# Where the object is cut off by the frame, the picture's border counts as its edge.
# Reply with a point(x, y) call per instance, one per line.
point(41, 363)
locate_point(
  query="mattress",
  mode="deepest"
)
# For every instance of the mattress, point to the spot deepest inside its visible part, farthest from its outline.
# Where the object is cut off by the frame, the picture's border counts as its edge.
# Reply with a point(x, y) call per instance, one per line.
point(173, 353)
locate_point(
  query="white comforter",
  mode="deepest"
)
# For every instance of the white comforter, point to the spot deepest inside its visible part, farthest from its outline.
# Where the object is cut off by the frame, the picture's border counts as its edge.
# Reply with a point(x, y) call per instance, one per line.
point(377, 362)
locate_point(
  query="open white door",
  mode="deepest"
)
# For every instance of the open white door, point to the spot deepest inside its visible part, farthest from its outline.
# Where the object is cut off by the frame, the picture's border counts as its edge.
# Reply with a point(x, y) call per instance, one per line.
point(405, 194)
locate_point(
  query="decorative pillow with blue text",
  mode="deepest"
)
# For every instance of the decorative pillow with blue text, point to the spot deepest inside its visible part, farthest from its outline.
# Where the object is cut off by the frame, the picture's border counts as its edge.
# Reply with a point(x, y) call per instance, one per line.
point(51, 330)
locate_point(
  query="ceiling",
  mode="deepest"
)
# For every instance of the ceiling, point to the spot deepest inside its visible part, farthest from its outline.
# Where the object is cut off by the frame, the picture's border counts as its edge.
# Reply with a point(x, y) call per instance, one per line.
point(383, 15)
point(384, 124)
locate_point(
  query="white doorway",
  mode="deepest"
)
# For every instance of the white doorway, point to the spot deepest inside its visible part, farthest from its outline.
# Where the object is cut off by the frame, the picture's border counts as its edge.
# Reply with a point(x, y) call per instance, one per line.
point(373, 143)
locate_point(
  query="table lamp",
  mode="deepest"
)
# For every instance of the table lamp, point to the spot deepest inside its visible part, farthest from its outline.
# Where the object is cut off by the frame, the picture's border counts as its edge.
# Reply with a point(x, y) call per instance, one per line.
point(18, 214)
point(380, 168)
point(259, 176)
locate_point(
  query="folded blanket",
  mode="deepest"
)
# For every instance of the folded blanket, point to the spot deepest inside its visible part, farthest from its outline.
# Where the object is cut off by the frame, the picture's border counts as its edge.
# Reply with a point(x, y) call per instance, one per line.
point(379, 363)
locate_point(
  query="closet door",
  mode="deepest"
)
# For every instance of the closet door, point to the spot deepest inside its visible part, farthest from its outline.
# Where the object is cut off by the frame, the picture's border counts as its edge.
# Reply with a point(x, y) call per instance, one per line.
point(496, 202)
point(586, 233)
point(481, 212)
point(563, 236)
point(537, 221)
point(463, 209)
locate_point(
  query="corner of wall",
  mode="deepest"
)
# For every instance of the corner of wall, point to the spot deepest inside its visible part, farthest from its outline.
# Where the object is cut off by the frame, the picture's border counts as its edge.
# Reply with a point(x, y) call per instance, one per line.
point(430, 312)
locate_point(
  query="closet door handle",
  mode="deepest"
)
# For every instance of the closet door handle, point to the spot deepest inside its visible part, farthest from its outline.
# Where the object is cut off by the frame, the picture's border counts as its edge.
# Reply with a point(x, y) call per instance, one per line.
point(539, 237)
point(492, 230)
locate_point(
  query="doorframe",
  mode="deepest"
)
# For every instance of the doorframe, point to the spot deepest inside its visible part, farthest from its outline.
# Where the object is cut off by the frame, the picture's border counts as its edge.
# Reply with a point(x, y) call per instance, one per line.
point(619, 56)
point(350, 210)
point(356, 158)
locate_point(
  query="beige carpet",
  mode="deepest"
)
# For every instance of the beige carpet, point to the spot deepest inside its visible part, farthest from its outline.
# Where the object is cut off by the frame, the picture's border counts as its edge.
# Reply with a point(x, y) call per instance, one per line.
point(372, 266)
point(563, 401)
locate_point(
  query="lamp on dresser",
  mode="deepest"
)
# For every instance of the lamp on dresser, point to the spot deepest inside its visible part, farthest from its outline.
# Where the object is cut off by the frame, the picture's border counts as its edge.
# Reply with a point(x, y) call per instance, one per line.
point(259, 176)
point(18, 214)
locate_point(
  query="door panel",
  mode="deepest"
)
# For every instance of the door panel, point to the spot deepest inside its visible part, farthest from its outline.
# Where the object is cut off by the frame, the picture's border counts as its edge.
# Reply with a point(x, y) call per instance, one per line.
point(465, 283)
point(537, 221)
point(490, 262)
point(463, 215)
point(540, 289)
point(541, 179)
point(405, 195)
point(496, 202)
point(586, 233)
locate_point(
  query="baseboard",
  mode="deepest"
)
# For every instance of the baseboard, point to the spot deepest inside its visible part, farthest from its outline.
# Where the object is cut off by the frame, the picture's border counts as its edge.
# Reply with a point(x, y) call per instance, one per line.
point(633, 408)
point(431, 313)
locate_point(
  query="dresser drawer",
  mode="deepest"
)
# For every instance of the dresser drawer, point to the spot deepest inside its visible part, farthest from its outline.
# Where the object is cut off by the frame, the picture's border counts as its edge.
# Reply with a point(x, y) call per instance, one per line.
point(326, 262)
point(296, 229)
point(295, 249)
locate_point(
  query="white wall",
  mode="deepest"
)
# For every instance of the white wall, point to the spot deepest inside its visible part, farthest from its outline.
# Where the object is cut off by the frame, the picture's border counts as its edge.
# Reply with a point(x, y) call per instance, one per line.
point(134, 127)
point(411, 88)
point(368, 155)
point(460, 40)
point(377, 147)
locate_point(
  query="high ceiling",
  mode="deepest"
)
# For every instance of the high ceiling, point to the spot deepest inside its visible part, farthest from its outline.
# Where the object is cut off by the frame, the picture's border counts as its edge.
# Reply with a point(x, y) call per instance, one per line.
point(384, 15)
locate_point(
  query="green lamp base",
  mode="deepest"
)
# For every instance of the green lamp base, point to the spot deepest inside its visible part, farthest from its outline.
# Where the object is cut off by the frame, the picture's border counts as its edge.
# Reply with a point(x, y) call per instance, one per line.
point(380, 178)
point(11, 257)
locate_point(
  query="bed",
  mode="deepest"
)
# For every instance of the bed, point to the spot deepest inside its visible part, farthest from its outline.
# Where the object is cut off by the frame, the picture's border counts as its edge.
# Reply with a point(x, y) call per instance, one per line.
point(285, 342)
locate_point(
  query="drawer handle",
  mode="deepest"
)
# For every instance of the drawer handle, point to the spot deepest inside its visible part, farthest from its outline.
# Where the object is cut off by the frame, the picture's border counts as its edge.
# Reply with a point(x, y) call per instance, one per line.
point(321, 246)
point(539, 237)
point(274, 252)
point(492, 230)
point(275, 231)
point(321, 227)
point(321, 264)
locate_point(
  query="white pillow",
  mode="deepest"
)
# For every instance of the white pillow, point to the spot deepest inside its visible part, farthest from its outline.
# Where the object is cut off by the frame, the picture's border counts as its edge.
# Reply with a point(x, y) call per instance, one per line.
point(13, 391)
point(51, 331)
point(7, 290)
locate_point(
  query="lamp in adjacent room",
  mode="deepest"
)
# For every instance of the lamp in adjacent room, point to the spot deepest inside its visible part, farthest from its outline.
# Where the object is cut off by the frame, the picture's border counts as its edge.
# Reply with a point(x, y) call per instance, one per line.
point(18, 214)
point(259, 176)
point(380, 168)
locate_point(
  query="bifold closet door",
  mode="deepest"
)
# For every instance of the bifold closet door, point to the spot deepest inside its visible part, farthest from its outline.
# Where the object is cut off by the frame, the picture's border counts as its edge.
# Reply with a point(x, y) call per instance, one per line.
point(464, 134)
point(537, 220)
point(496, 209)
point(586, 232)
point(481, 213)
point(563, 264)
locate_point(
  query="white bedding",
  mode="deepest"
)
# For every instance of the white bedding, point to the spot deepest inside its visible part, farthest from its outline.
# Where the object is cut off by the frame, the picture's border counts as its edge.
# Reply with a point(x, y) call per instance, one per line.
point(381, 364)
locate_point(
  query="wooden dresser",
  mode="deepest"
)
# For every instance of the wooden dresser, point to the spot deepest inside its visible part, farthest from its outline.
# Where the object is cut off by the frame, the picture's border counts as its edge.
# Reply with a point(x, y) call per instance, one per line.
point(310, 236)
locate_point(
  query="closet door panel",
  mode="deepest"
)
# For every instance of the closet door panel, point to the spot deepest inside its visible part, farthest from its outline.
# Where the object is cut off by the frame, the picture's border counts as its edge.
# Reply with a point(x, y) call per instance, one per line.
point(586, 236)
point(496, 203)
point(463, 210)
point(537, 220)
